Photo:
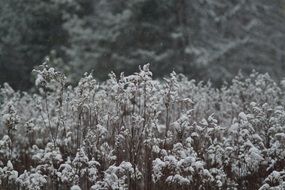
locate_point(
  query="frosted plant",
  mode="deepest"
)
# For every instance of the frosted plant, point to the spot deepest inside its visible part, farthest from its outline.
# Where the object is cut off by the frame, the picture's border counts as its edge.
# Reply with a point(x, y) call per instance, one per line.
point(67, 173)
point(31, 181)
point(8, 175)
point(5, 147)
point(80, 162)
point(274, 181)
point(116, 177)
point(134, 132)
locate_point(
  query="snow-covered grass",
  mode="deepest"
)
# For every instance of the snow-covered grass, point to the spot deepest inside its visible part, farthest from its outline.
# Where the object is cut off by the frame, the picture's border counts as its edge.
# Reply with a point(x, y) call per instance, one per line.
point(133, 132)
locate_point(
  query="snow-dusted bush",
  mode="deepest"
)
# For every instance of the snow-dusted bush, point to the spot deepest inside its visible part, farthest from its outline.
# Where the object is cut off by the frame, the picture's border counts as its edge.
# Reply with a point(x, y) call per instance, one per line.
point(133, 132)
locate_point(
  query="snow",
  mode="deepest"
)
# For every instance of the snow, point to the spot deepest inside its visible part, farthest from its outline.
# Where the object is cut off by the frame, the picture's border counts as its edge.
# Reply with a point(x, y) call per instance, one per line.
point(75, 187)
point(243, 116)
point(158, 165)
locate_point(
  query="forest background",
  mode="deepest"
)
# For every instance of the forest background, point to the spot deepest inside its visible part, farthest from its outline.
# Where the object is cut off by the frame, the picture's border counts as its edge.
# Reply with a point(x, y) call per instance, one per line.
point(202, 39)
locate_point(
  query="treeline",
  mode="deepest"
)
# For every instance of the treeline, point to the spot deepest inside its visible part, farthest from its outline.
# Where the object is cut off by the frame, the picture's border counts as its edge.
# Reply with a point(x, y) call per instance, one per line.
point(133, 132)
point(202, 39)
